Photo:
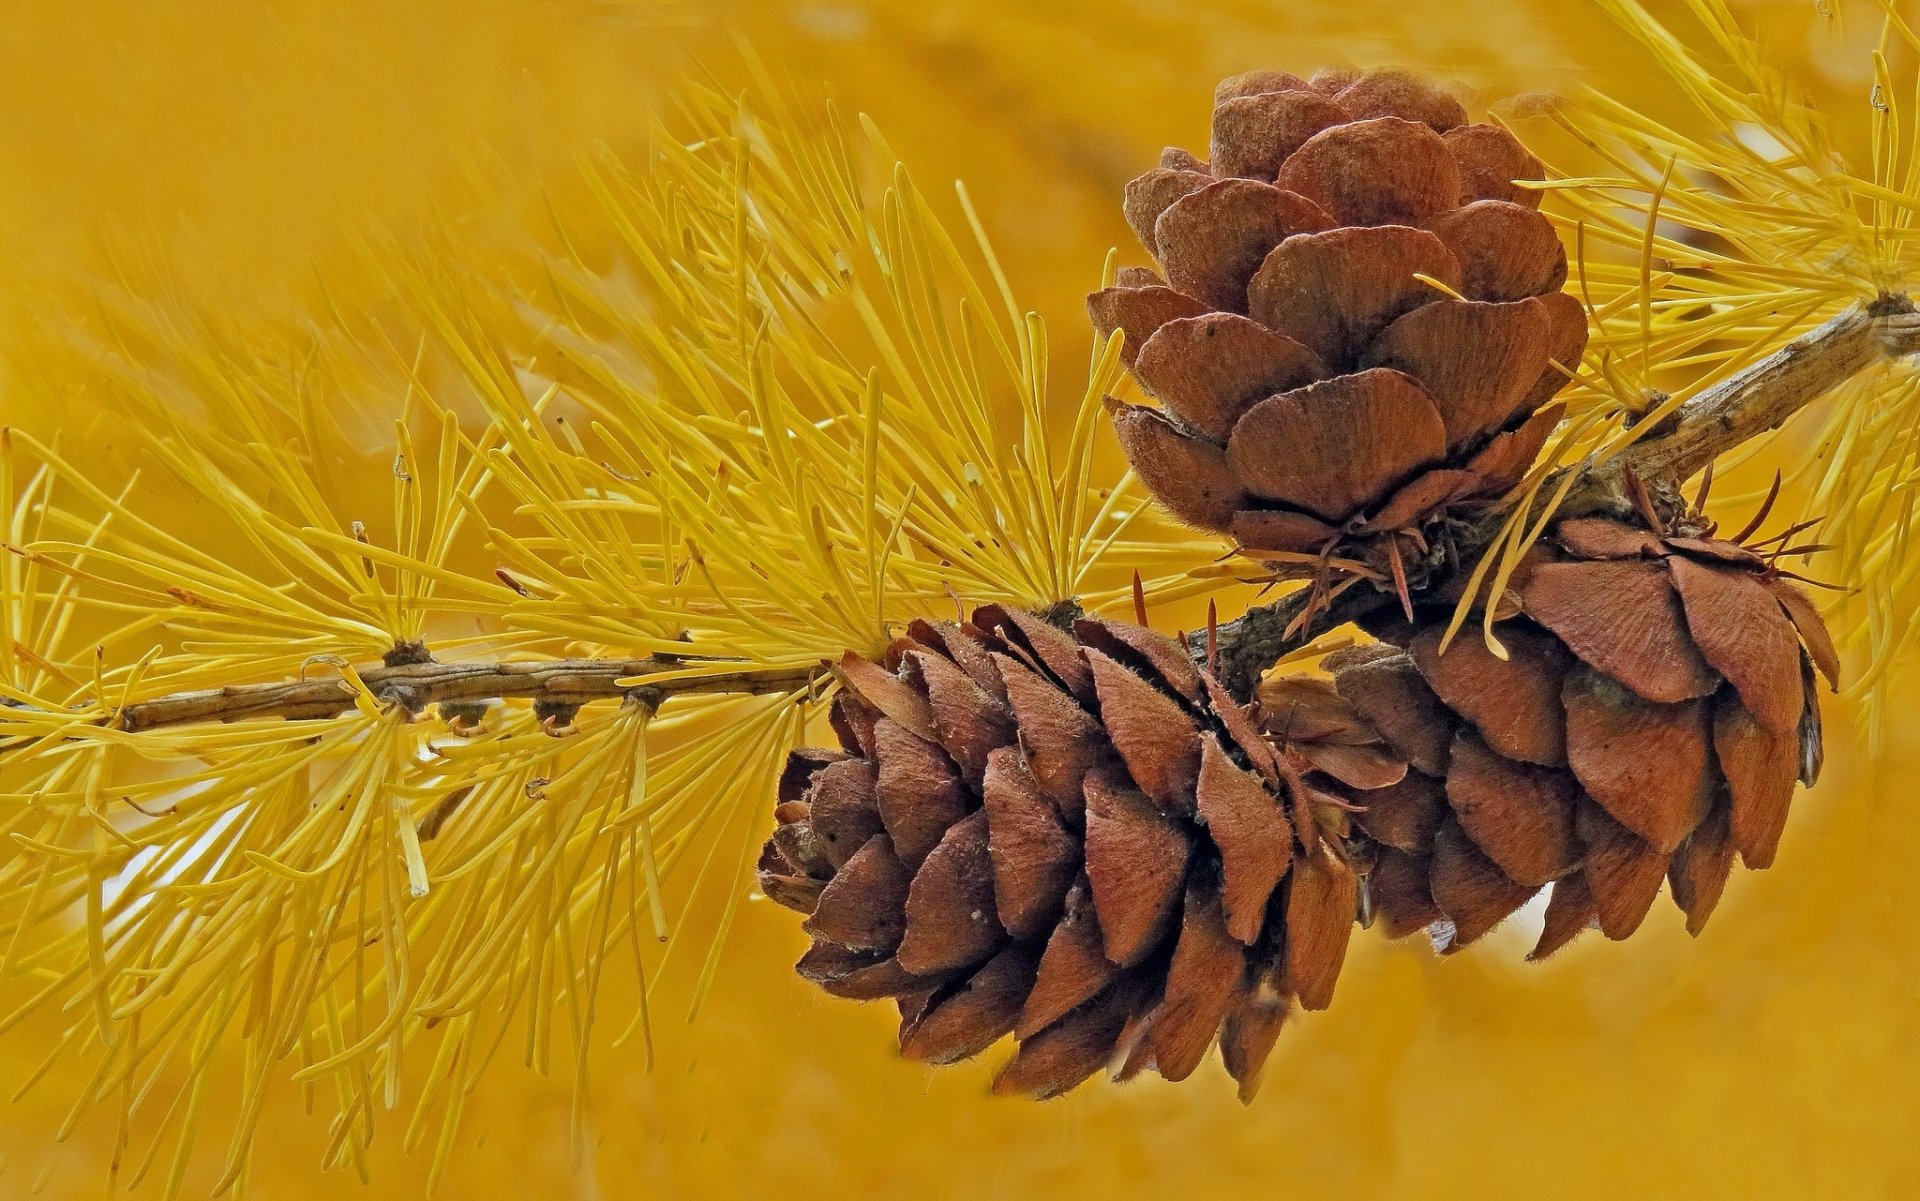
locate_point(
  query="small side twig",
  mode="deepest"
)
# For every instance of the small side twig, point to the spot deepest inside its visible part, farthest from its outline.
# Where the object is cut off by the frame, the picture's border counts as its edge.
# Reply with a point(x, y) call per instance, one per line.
point(1719, 419)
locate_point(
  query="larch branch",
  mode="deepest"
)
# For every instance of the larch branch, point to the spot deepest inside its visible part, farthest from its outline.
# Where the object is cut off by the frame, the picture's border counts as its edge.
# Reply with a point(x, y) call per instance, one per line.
point(1720, 418)
point(414, 686)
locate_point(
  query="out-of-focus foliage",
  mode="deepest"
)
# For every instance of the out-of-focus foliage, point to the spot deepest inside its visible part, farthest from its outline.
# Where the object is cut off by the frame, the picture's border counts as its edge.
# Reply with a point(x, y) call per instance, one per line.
point(322, 175)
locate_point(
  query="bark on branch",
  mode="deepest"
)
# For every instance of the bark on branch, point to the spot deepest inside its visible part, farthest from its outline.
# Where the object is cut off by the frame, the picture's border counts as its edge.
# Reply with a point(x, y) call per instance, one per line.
point(561, 683)
point(1759, 399)
point(1720, 418)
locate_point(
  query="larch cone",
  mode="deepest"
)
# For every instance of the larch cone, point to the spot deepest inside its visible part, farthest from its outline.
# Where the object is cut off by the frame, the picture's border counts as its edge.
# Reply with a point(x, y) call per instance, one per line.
point(1655, 709)
point(1357, 325)
point(1077, 838)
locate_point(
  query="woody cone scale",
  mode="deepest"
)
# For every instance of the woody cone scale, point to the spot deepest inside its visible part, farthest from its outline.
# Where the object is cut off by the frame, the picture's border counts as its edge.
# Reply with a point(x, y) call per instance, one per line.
point(1355, 324)
point(1076, 838)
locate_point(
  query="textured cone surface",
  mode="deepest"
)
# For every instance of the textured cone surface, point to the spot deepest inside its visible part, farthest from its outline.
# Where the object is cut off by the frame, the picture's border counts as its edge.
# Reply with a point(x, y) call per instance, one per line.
point(1076, 839)
point(1647, 723)
point(1315, 386)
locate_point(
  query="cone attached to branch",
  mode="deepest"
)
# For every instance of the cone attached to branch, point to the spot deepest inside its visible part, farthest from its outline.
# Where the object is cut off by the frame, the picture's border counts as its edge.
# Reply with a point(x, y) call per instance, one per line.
point(1356, 323)
point(1654, 708)
point(1076, 838)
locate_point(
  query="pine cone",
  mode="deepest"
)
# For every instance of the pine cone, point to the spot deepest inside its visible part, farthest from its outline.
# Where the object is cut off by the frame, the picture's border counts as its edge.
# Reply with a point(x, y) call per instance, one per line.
point(1317, 398)
point(1655, 708)
point(1079, 839)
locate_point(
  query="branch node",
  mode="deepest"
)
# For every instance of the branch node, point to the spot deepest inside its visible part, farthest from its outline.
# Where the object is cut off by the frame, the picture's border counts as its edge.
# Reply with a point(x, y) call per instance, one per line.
point(409, 653)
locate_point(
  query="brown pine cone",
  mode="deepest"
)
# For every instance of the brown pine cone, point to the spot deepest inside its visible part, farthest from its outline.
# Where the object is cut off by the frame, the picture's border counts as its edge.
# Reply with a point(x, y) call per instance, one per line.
point(1656, 706)
point(1076, 838)
point(1318, 399)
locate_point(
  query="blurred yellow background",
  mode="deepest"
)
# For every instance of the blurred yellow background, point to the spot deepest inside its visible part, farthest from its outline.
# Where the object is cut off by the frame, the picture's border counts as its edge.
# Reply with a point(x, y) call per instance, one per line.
point(232, 147)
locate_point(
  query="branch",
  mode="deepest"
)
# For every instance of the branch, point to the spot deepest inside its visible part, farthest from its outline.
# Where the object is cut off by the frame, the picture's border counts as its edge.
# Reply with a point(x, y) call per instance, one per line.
point(562, 684)
point(1755, 401)
point(1720, 418)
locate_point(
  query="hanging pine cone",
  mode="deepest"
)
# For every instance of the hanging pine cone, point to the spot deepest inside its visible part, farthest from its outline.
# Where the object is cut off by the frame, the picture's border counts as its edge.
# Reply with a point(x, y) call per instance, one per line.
point(1079, 839)
point(1656, 706)
point(1319, 397)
